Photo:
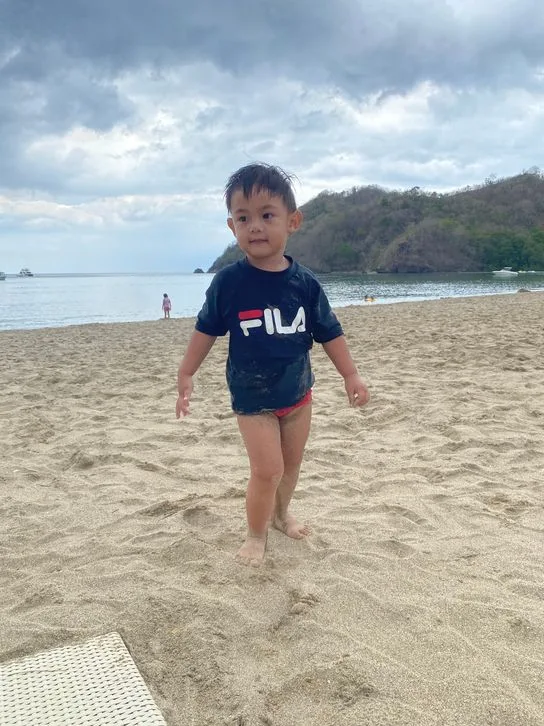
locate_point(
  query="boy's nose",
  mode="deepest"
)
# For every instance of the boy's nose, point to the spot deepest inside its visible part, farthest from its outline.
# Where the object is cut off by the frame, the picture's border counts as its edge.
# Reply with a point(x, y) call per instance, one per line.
point(255, 225)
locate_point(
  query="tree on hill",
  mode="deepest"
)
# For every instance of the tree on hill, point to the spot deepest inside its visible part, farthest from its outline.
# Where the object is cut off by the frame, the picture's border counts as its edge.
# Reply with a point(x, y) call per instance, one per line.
point(498, 223)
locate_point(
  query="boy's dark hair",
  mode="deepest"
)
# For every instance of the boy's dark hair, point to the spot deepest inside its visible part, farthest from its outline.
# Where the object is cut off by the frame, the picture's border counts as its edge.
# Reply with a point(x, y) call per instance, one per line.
point(258, 177)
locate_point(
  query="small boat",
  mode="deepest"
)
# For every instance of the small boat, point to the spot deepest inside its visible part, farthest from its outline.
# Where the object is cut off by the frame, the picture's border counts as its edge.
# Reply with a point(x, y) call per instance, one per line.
point(2, 275)
point(25, 272)
point(505, 272)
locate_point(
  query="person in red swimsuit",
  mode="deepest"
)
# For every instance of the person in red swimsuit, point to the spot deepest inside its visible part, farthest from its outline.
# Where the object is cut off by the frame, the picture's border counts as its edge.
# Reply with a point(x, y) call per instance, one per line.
point(274, 309)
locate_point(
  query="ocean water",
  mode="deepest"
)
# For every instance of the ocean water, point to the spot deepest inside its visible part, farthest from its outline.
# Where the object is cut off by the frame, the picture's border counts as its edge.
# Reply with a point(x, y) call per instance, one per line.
point(60, 300)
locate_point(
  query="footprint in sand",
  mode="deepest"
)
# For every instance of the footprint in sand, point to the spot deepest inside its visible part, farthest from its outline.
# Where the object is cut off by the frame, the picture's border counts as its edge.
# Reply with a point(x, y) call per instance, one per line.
point(165, 508)
point(404, 512)
point(81, 460)
point(233, 493)
point(343, 684)
point(302, 602)
point(200, 516)
point(43, 598)
point(393, 548)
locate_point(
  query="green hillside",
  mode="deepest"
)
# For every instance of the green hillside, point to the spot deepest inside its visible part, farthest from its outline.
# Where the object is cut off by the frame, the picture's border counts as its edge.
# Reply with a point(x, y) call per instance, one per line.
point(497, 224)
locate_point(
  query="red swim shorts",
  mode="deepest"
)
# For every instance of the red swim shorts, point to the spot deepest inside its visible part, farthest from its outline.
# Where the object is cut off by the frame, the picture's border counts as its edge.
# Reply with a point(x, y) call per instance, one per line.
point(280, 412)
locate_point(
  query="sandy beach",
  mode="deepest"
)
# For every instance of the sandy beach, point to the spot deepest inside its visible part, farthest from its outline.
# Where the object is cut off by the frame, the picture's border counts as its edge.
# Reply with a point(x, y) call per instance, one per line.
point(418, 600)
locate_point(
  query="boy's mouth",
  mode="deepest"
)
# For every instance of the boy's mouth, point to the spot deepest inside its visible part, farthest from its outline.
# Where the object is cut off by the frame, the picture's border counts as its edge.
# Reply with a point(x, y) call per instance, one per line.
point(257, 241)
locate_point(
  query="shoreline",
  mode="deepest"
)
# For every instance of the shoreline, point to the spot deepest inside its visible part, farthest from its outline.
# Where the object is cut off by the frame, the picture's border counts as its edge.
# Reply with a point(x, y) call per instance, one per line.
point(417, 599)
point(362, 304)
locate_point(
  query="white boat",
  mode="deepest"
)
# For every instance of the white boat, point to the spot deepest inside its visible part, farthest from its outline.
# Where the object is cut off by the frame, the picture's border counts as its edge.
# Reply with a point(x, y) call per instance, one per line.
point(25, 272)
point(505, 272)
point(2, 275)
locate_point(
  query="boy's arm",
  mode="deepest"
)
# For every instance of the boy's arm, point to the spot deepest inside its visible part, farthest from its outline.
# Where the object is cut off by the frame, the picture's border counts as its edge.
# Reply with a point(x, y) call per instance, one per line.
point(338, 352)
point(198, 348)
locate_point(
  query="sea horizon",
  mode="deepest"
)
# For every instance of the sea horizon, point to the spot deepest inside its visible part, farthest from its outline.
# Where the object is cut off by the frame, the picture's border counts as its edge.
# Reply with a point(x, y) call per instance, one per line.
point(51, 300)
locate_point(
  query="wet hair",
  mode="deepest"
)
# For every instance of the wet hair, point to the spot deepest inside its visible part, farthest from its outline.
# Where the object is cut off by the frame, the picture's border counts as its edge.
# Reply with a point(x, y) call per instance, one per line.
point(165, 295)
point(254, 178)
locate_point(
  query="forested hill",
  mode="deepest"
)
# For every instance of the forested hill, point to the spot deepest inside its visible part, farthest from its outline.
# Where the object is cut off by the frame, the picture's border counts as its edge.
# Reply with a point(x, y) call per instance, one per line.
point(497, 224)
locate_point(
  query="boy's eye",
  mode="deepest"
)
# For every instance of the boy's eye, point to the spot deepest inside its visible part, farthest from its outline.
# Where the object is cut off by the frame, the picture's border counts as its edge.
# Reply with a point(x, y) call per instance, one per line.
point(268, 215)
point(242, 218)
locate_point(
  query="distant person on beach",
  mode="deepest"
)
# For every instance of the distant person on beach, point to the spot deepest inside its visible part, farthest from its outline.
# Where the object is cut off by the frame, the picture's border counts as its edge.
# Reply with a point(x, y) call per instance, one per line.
point(274, 309)
point(166, 306)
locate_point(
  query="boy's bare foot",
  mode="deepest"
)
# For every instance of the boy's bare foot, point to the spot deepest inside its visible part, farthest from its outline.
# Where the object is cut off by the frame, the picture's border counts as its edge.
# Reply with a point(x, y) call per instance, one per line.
point(252, 551)
point(290, 526)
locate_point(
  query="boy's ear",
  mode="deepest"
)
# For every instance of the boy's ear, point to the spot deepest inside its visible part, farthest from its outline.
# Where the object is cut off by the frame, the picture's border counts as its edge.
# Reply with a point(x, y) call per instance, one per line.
point(295, 220)
point(230, 224)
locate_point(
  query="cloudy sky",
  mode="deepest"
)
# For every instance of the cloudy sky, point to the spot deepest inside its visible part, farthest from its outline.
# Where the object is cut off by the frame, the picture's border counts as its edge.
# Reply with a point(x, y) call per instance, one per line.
point(120, 120)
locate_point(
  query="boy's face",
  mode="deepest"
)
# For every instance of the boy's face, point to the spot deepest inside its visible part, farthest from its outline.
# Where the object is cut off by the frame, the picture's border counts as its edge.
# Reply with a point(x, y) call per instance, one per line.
point(262, 224)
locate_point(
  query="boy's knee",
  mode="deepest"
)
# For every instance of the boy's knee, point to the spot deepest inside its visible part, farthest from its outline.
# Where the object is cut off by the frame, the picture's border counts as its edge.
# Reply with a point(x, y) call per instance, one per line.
point(270, 474)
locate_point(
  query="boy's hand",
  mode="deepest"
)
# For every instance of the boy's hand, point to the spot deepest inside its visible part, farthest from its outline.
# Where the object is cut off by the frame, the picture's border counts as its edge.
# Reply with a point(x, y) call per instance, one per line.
point(185, 388)
point(357, 391)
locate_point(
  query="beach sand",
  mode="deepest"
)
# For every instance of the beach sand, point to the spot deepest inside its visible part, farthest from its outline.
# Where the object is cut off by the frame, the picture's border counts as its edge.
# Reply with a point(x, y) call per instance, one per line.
point(417, 600)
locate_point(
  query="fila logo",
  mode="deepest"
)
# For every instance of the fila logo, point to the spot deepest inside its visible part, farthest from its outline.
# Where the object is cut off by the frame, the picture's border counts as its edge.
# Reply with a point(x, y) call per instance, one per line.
point(272, 321)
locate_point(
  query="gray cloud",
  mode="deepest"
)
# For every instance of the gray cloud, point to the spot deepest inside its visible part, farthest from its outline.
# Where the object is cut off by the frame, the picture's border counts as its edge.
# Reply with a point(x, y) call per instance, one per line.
point(360, 47)
point(70, 54)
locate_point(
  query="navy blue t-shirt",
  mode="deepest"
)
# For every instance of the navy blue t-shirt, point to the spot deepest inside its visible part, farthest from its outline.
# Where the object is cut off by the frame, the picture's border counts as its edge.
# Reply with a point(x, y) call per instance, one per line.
point(273, 319)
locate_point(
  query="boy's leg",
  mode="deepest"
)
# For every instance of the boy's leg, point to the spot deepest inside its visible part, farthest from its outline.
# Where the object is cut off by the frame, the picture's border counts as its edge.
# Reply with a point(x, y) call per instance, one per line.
point(294, 431)
point(261, 436)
